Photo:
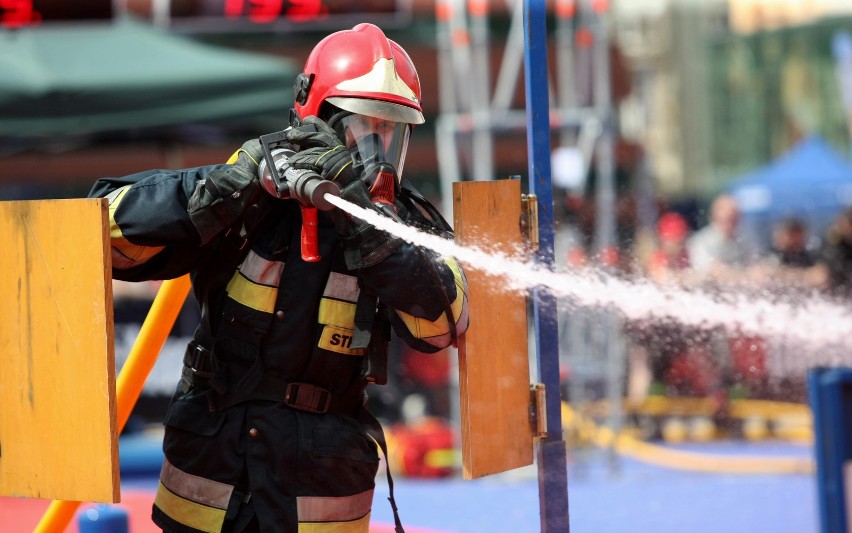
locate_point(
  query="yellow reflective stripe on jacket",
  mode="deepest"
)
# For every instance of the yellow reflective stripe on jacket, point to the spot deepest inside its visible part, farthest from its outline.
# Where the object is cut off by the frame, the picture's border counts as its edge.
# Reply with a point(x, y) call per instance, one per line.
point(250, 294)
point(437, 332)
point(192, 500)
point(334, 508)
point(338, 320)
point(124, 253)
point(361, 525)
point(255, 283)
point(337, 313)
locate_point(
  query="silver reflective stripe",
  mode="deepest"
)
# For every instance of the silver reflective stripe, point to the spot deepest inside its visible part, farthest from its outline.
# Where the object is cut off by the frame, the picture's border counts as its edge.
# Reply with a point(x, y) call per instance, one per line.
point(341, 287)
point(195, 488)
point(334, 508)
point(261, 271)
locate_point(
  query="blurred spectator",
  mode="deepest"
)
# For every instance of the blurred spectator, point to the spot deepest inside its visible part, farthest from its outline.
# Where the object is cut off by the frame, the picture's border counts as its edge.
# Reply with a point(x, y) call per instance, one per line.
point(790, 268)
point(717, 251)
point(670, 261)
point(789, 244)
point(790, 265)
point(835, 256)
point(720, 256)
point(671, 355)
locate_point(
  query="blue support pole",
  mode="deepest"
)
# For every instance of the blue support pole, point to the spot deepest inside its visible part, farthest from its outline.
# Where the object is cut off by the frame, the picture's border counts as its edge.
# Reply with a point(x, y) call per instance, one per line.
point(550, 455)
point(830, 397)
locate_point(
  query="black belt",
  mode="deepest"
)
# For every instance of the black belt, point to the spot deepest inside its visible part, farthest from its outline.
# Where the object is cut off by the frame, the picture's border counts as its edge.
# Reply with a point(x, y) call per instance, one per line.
point(199, 369)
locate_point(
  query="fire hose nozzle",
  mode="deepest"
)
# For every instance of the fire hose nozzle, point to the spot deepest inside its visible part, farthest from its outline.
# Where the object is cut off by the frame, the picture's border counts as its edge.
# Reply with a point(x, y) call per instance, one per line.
point(314, 190)
point(305, 186)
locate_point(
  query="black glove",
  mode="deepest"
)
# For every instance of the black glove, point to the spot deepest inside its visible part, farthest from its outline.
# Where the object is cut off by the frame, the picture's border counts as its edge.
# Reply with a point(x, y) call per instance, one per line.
point(320, 151)
point(313, 133)
point(363, 244)
point(225, 194)
point(333, 164)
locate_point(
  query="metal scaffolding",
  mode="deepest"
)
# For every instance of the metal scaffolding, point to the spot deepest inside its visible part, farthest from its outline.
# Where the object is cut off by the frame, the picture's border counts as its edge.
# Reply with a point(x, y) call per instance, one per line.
point(472, 111)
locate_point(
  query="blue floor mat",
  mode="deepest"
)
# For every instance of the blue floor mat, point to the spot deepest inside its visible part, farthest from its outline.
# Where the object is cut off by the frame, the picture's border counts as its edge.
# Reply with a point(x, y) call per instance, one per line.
point(631, 497)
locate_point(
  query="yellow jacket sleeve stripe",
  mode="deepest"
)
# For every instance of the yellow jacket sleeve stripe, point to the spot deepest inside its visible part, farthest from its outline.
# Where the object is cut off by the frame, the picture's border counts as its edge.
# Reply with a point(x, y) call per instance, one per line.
point(125, 254)
point(437, 332)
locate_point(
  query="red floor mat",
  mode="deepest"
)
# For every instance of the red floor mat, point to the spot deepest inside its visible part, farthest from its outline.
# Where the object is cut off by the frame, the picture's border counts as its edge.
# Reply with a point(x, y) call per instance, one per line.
point(21, 515)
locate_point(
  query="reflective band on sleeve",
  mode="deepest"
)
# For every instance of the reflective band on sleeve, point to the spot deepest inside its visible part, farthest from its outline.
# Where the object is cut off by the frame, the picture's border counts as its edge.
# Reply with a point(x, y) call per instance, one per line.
point(423, 328)
point(260, 297)
point(262, 271)
point(334, 508)
point(437, 333)
point(124, 253)
point(342, 287)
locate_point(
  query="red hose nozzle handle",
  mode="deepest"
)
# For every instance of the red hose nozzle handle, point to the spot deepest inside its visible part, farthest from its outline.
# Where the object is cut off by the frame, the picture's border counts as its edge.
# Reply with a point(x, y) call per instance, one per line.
point(310, 247)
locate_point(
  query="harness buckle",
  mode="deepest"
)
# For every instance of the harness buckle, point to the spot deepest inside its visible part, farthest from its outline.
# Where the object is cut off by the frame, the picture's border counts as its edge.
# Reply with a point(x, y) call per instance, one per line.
point(197, 358)
point(307, 397)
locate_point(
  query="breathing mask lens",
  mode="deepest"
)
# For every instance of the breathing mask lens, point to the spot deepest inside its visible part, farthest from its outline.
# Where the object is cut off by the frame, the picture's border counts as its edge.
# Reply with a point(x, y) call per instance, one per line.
point(376, 141)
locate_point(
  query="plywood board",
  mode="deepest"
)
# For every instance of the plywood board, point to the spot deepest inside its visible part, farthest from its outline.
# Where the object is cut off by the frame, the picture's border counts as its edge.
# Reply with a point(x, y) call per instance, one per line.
point(494, 372)
point(58, 436)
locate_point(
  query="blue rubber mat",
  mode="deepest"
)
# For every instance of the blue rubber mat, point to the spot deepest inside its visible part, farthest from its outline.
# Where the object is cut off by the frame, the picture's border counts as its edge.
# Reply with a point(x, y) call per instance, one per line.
point(632, 498)
point(625, 498)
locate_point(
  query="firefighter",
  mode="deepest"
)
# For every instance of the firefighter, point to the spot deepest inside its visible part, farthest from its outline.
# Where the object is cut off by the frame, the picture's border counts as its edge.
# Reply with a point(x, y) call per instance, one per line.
point(268, 429)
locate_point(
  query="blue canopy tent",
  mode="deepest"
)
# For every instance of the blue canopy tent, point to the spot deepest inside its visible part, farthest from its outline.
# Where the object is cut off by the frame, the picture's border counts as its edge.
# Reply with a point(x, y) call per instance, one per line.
point(812, 182)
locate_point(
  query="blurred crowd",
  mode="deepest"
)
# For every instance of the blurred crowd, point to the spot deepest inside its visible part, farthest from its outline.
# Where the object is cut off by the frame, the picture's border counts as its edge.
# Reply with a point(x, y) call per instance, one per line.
point(675, 359)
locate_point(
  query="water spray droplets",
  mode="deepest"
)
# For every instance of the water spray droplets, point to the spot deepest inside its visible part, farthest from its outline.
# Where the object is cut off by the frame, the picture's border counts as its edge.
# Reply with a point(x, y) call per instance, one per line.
point(810, 321)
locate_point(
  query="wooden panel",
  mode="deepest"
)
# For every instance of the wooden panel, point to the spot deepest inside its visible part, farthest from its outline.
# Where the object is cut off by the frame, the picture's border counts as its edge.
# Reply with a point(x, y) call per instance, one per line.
point(58, 435)
point(494, 372)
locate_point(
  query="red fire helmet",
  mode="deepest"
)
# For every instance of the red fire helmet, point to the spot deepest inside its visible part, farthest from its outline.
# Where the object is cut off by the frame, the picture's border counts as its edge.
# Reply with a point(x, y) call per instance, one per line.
point(361, 71)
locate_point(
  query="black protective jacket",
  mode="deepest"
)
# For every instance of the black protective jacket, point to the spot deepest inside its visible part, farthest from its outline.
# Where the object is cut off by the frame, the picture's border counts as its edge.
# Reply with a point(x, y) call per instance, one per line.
point(269, 409)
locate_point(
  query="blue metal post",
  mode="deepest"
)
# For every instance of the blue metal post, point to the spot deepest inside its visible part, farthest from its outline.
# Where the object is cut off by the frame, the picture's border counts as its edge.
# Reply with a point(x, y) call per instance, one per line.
point(830, 396)
point(552, 465)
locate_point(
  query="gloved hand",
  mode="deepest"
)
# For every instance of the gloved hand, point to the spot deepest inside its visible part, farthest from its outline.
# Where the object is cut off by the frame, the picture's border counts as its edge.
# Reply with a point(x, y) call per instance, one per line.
point(313, 133)
point(226, 192)
point(333, 164)
point(363, 244)
point(321, 151)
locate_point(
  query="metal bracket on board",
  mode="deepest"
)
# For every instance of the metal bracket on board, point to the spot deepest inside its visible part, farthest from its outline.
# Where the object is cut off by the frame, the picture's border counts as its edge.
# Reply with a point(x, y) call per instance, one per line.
point(538, 410)
point(529, 222)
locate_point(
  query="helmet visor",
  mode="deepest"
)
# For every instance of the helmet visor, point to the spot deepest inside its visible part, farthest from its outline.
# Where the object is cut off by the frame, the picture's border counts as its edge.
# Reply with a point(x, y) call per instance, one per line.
point(373, 140)
point(379, 109)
